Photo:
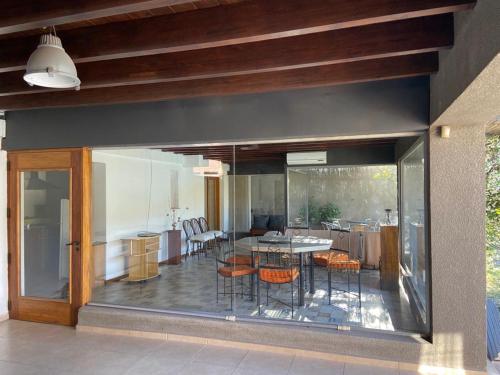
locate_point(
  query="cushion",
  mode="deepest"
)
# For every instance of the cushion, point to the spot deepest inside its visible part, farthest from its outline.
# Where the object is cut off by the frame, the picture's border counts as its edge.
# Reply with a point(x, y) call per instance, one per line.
point(278, 275)
point(258, 231)
point(260, 221)
point(276, 222)
point(242, 260)
point(236, 271)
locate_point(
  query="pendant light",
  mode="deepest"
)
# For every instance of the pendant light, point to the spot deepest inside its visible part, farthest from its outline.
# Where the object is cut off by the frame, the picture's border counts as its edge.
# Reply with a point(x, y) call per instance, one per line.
point(50, 66)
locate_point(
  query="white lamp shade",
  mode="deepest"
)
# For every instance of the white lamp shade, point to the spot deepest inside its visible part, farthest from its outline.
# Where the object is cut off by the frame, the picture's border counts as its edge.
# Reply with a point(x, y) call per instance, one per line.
point(50, 66)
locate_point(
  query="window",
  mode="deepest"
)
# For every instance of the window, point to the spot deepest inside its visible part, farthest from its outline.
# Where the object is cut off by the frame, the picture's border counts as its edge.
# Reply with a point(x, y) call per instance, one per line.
point(315, 211)
point(413, 225)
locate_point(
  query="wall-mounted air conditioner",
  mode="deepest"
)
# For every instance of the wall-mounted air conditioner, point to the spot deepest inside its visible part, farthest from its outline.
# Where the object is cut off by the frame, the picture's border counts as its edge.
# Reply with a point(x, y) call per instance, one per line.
point(306, 158)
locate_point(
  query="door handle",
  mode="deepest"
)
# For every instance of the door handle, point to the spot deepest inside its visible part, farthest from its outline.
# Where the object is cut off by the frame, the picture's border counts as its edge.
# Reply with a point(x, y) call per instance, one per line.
point(76, 245)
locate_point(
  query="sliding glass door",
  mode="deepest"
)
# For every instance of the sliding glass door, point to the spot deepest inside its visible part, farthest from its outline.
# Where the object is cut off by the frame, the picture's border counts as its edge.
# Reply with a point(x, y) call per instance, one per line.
point(414, 257)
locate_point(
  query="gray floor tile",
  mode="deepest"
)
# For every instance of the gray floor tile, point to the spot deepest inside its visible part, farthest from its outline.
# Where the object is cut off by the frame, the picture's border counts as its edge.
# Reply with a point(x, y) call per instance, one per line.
point(198, 368)
point(353, 369)
point(153, 364)
point(218, 355)
point(191, 286)
point(261, 361)
point(309, 366)
point(177, 351)
point(12, 368)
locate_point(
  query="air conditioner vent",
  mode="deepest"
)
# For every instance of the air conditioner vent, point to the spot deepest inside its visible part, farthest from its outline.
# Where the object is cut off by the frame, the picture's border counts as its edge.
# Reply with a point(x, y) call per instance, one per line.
point(306, 158)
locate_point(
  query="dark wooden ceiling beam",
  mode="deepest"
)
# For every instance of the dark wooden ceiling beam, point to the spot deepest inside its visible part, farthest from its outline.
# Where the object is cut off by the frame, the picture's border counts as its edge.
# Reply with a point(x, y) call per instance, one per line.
point(273, 147)
point(22, 15)
point(360, 71)
point(381, 40)
point(259, 151)
point(271, 151)
point(244, 22)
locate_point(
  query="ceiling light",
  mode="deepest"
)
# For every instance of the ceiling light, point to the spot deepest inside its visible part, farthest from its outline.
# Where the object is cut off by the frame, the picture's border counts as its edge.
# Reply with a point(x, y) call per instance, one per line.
point(50, 66)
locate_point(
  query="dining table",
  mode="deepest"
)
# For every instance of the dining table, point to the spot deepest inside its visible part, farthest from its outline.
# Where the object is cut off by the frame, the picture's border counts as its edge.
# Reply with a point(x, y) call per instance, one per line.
point(300, 245)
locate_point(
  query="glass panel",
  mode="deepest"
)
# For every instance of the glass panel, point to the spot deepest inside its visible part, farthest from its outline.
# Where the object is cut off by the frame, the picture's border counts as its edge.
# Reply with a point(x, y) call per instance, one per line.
point(413, 225)
point(155, 204)
point(45, 231)
point(298, 185)
point(338, 208)
point(346, 196)
point(211, 201)
point(267, 195)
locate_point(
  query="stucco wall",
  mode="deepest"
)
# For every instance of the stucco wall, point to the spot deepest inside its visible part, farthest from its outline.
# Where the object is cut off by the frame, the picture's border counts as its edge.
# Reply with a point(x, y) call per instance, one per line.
point(457, 210)
point(477, 42)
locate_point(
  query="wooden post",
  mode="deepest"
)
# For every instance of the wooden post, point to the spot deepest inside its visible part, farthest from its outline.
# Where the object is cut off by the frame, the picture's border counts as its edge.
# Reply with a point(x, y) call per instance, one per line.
point(389, 259)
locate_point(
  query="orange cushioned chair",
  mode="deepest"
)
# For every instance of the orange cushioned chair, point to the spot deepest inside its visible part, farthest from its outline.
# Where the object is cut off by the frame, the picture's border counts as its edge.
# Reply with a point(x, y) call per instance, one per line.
point(282, 270)
point(228, 268)
point(340, 262)
point(242, 260)
point(321, 258)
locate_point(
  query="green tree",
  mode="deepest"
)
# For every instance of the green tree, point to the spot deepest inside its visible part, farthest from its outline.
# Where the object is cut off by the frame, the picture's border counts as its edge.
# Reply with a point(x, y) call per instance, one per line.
point(316, 213)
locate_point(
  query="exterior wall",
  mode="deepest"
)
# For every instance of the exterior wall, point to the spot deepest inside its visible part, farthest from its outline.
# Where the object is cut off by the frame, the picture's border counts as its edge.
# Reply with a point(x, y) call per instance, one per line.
point(477, 42)
point(465, 96)
point(456, 193)
point(374, 108)
point(457, 209)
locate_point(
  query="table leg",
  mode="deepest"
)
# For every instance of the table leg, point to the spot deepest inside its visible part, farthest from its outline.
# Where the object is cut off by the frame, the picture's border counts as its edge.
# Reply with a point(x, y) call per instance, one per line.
point(312, 290)
point(252, 278)
point(301, 280)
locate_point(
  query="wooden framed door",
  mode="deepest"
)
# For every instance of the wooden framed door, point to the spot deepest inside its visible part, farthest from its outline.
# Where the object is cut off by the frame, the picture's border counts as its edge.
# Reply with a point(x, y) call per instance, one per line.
point(49, 234)
point(212, 202)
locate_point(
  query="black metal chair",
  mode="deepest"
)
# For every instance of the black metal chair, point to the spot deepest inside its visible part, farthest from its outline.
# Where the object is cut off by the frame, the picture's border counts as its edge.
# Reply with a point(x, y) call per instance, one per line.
point(203, 224)
point(204, 227)
point(339, 237)
point(276, 265)
point(201, 244)
point(305, 232)
point(188, 231)
point(196, 226)
point(225, 266)
point(347, 263)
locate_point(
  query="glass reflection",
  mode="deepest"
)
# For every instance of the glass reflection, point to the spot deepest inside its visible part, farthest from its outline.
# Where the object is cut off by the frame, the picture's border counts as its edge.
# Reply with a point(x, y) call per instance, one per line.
point(413, 226)
point(234, 225)
point(45, 233)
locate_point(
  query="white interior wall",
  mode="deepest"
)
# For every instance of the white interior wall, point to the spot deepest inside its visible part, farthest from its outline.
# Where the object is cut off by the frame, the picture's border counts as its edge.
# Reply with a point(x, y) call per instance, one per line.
point(267, 194)
point(224, 203)
point(239, 202)
point(130, 176)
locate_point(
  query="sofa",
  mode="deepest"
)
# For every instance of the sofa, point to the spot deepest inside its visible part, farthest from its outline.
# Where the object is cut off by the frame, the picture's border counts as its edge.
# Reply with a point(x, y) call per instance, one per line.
point(265, 223)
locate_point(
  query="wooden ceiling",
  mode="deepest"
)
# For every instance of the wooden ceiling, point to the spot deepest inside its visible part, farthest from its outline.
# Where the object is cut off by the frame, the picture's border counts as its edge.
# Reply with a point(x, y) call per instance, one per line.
point(149, 50)
point(271, 151)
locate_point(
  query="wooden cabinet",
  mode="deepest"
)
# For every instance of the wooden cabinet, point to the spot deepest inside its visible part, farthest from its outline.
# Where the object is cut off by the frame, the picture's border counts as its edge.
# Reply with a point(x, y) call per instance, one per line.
point(174, 246)
point(143, 257)
point(389, 257)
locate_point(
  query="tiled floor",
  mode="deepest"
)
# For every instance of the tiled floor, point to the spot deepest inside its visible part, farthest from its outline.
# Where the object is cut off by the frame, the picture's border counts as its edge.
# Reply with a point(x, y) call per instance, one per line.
point(41, 349)
point(494, 368)
point(191, 286)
